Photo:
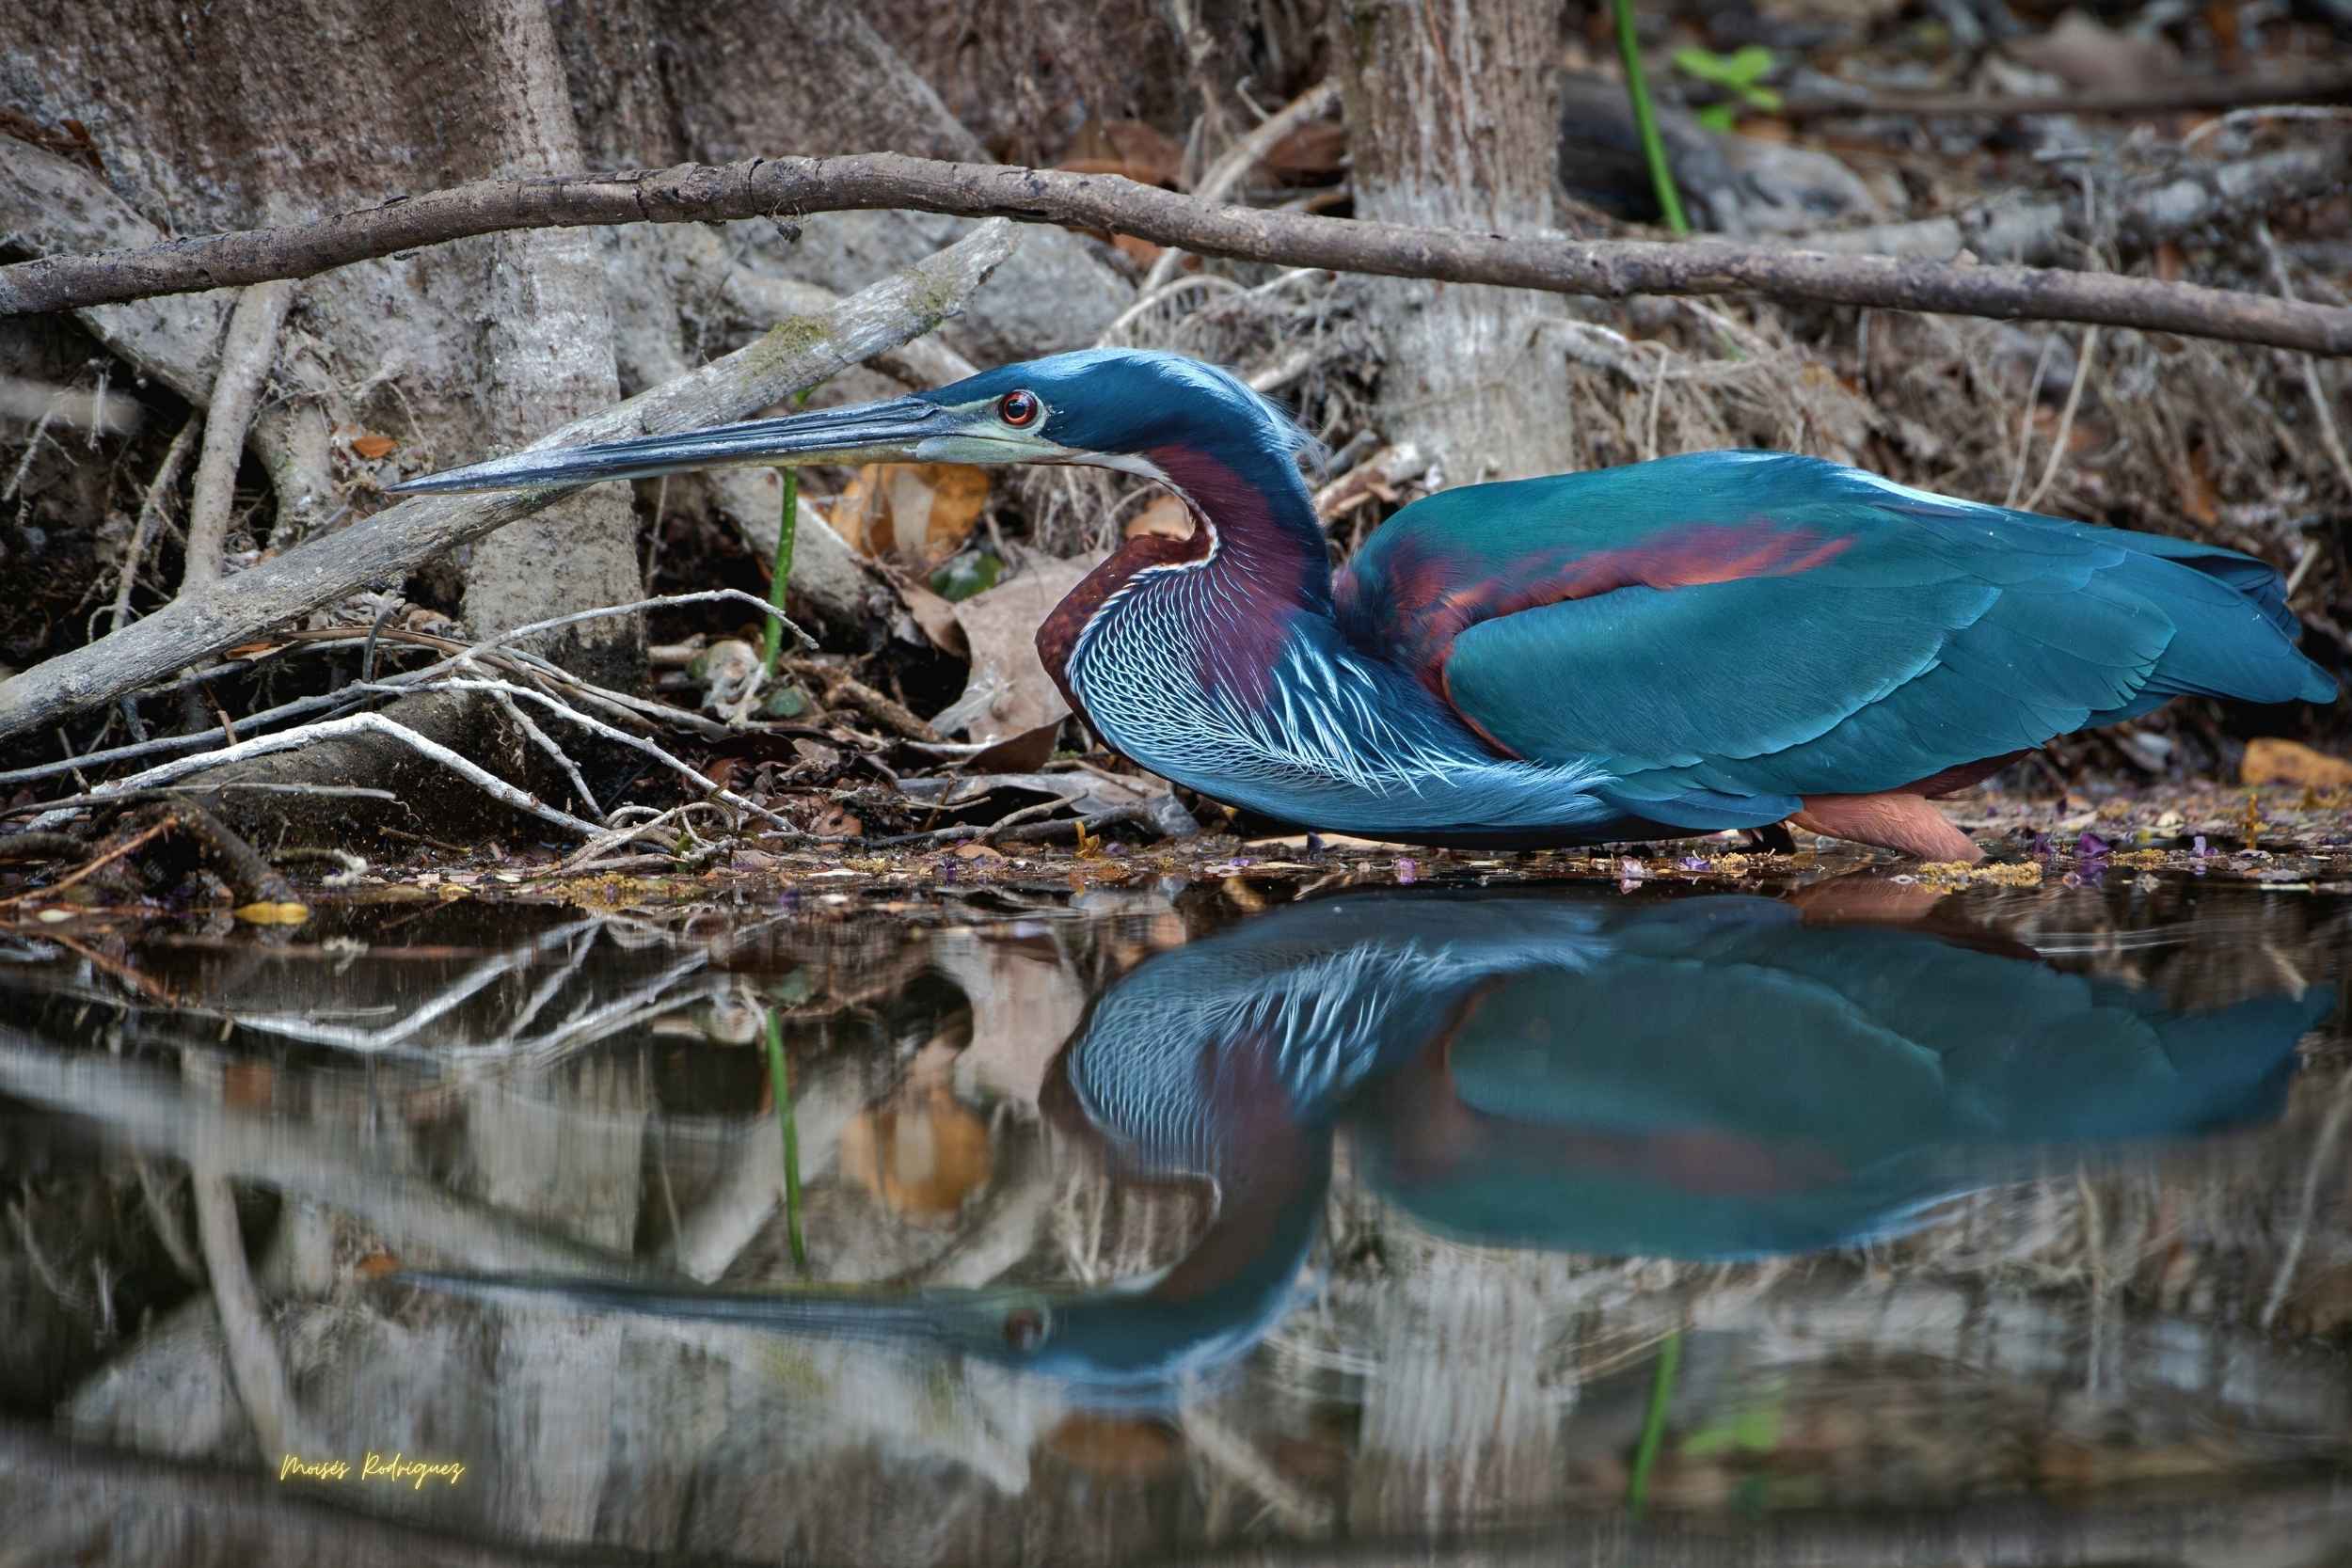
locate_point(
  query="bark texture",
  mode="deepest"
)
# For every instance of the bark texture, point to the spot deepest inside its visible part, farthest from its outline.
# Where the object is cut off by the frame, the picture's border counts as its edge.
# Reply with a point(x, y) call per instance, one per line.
point(1453, 119)
point(338, 103)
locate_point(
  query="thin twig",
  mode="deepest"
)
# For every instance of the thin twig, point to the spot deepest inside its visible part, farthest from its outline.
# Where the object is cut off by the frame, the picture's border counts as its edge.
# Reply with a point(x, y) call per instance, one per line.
point(2024, 420)
point(2066, 418)
point(166, 1220)
point(635, 742)
point(116, 796)
point(330, 729)
point(2329, 436)
point(1241, 157)
point(546, 743)
point(166, 475)
point(2322, 1165)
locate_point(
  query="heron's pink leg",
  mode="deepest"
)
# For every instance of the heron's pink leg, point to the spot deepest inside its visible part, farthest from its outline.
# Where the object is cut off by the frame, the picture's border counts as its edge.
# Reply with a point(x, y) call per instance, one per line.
point(1894, 819)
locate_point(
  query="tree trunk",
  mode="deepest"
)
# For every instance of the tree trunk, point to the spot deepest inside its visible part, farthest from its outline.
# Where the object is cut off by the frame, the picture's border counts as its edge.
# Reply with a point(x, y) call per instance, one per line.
point(454, 352)
point(1452, 121)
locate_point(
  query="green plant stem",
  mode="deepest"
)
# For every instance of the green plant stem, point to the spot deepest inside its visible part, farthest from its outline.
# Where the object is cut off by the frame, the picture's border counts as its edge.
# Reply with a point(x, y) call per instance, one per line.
point(780, 1077)
point(788, 522)
point(1654, 1424)
point(1646, 120)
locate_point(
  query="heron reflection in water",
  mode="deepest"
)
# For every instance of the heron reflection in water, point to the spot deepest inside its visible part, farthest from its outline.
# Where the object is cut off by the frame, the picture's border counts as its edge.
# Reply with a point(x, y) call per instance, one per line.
point(1706, 1078)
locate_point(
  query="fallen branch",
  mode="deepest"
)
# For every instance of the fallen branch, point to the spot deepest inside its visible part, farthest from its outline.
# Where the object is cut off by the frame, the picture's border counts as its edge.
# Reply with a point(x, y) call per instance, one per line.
point(2147, 211)
point(151, 1111)
point(393, 543)
point(245, 360)
point(254, 1368)
point(760, 187)
point(2221, 92)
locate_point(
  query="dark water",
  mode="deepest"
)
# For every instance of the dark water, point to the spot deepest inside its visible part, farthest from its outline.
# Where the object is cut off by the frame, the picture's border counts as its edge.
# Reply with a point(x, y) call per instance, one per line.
point(1851, 1225)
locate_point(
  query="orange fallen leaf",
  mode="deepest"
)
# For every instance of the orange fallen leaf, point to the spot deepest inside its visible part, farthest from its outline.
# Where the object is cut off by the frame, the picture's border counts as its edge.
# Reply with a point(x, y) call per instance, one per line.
point(376, 1265)
point(1132, 148)
point(1141, 252)
point(2288, 762)
point(1313, 152)
point(374, 447)
point(248, 1085)
point(918, 514)
point(973, 850)
point(922, 1154)
point(1122, 1448)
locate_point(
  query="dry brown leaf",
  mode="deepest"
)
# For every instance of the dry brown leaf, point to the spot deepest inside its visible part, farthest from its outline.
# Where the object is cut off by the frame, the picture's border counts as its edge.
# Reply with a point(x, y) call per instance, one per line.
point(1313, 152)
point(1132, 148)
point(2288, 762)
point(935, 616)
point(1167, 515)
point(974, 851)
point(1120, 1448)
point(1007, 691)
point(248, 1085)
point(836, 822)
point(1024, 752)
point(915, 514)
point(2085, 52)
point(921, 1154)
point(1141, 252)
point(374, 447)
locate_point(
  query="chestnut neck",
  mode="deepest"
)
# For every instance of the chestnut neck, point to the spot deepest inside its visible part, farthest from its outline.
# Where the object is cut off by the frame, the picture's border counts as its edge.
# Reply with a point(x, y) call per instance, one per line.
point(1253, 526)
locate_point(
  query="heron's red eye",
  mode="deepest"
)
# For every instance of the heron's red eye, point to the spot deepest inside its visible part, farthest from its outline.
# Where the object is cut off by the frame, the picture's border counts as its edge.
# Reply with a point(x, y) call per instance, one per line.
point(1019, 409)
point(1024, 1328)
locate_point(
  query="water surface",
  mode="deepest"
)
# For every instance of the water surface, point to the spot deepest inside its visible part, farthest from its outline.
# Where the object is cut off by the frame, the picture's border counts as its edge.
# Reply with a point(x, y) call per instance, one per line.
point(1182, 1218)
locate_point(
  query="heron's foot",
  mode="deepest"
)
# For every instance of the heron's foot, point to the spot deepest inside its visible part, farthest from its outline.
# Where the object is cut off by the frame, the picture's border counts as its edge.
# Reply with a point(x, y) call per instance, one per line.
point(1892, 819)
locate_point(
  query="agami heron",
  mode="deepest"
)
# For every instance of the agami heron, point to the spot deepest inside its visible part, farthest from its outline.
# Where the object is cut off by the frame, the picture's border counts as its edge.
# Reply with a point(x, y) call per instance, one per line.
point(1699, 1078)
point(1714, 641)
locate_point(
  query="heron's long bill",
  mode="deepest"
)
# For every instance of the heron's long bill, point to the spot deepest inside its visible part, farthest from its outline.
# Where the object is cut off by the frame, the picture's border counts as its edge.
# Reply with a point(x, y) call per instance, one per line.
point(949, 1317)
point(886, 432)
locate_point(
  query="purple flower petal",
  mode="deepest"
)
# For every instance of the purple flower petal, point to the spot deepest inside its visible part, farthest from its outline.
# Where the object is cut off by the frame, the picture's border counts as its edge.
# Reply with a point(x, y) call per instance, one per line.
point(2090, 846)
point(1407, 869)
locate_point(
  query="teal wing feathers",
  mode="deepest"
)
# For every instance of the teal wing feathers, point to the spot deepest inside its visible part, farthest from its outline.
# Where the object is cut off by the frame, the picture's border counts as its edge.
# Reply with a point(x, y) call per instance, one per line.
point(1729, 630)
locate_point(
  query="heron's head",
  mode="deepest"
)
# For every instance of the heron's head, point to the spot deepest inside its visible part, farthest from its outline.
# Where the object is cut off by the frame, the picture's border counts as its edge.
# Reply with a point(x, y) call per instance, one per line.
point(1131, 409)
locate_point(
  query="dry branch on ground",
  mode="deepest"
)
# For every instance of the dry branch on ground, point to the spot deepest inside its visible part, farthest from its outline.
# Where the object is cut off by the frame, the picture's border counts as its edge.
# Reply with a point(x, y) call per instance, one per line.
point(798, 353)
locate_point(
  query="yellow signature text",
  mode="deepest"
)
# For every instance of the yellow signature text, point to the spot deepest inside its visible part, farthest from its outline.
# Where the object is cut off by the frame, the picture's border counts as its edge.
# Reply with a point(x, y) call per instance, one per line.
point(372, 1467)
